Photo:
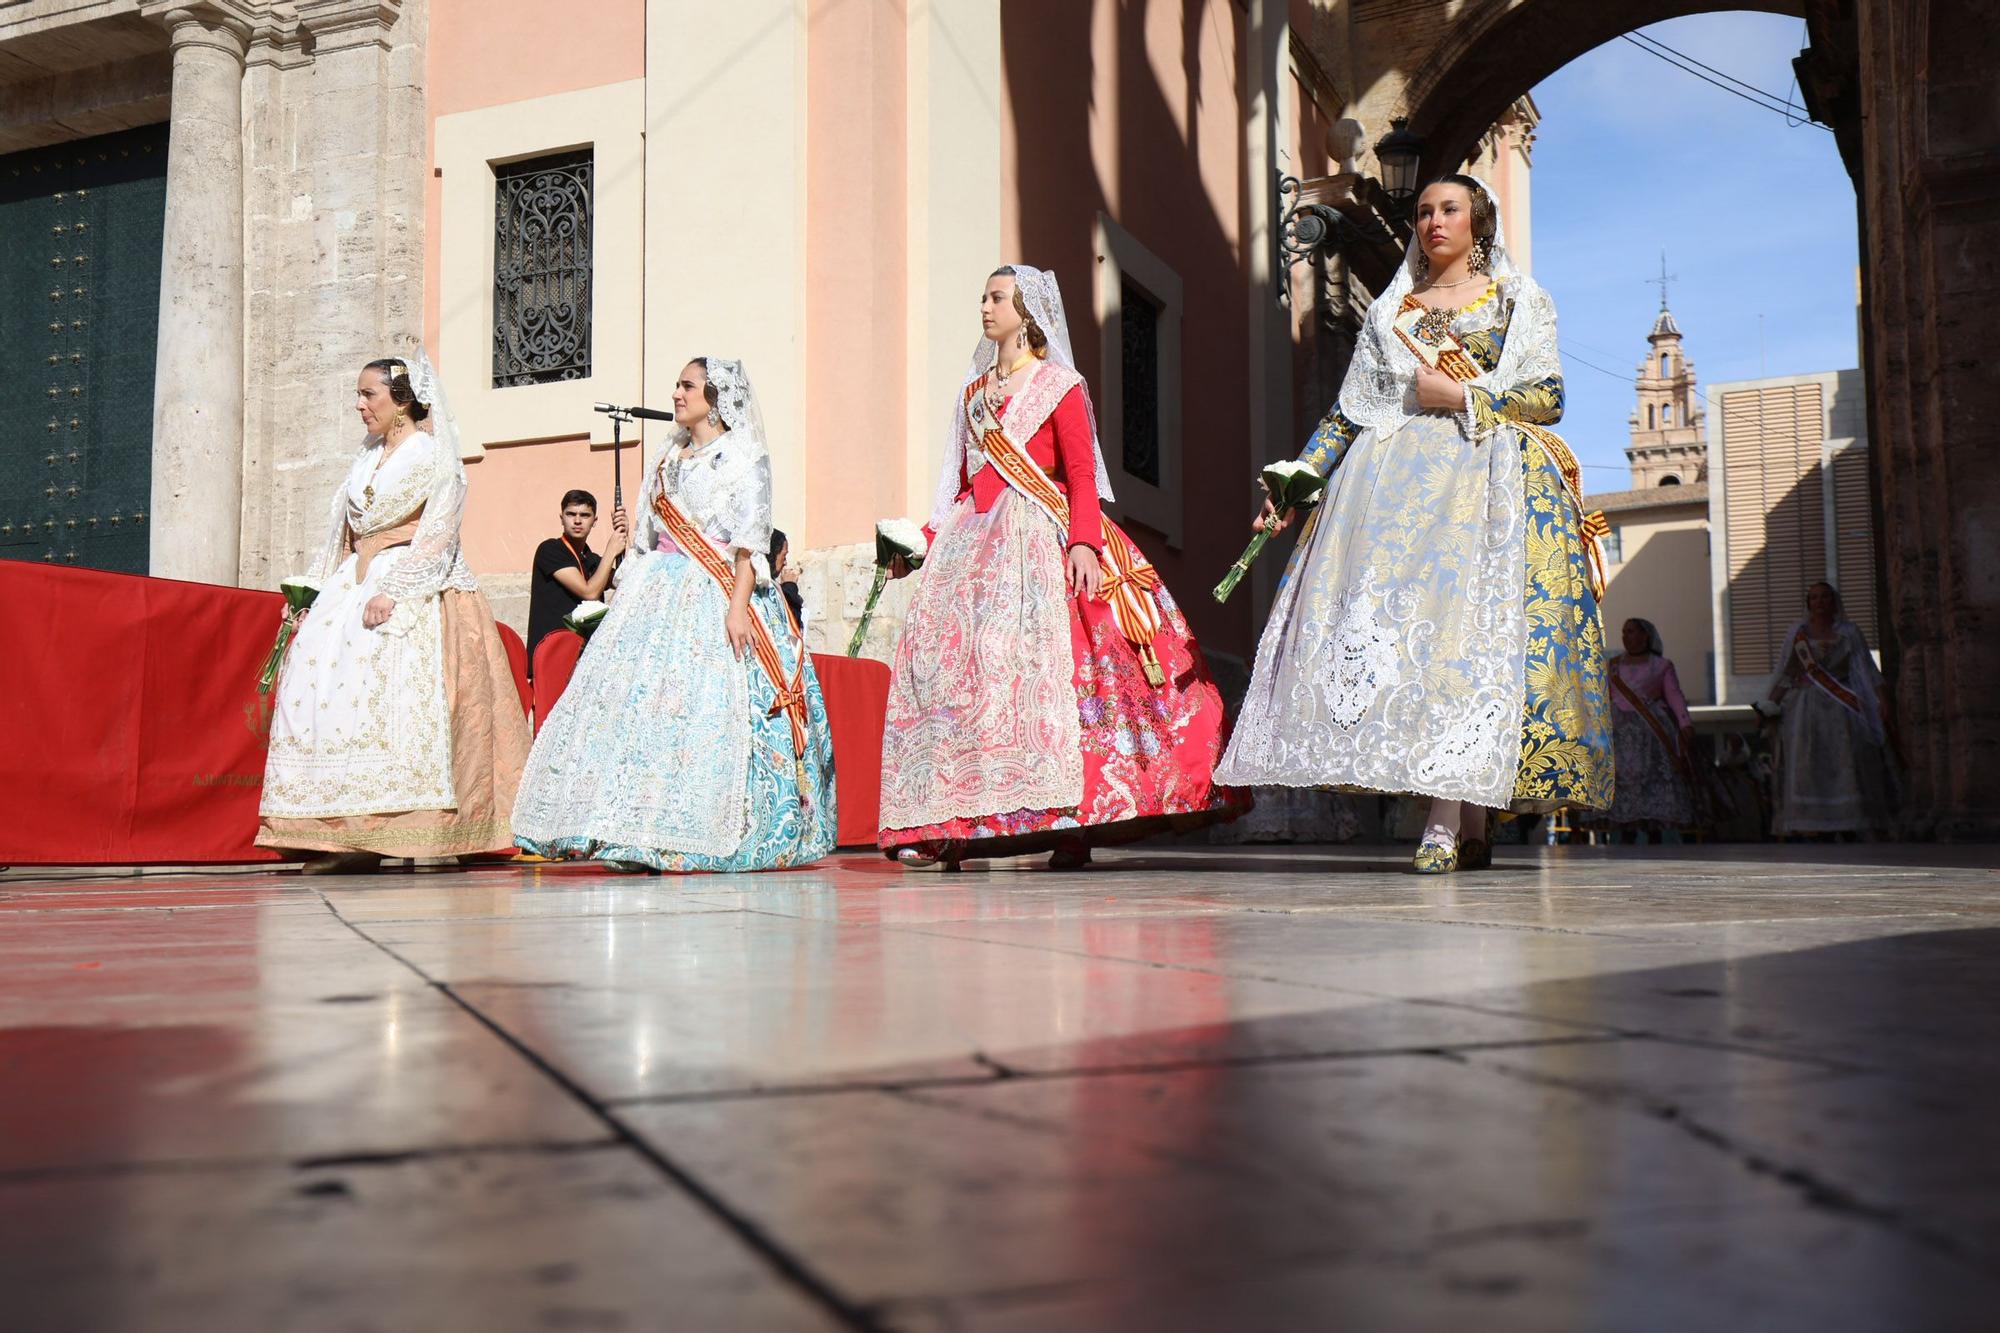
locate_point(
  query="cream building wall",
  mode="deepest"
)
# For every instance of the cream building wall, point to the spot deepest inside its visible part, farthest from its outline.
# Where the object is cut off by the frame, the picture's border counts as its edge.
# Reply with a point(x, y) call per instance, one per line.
point(1662, 542)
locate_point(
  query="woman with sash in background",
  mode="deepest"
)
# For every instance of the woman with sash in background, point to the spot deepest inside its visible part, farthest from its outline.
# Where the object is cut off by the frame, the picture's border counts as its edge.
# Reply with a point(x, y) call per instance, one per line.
point(1436, 633)
point(1833, 773)
point(693, 736)
point(397, 729)
point(1047, 694)
point(1652, 736)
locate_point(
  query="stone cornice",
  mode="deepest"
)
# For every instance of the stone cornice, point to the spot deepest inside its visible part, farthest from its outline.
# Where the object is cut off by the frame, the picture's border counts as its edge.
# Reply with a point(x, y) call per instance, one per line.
point(339, 24)
point(222, 25)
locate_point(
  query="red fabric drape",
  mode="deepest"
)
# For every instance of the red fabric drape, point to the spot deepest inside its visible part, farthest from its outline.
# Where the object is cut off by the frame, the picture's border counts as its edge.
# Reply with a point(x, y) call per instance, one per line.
point(135, 733)
point(857, 704)
point(134, 729)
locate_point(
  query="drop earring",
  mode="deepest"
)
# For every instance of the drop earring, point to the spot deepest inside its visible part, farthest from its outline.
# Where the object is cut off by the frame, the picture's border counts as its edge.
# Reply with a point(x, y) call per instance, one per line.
point(714, 417)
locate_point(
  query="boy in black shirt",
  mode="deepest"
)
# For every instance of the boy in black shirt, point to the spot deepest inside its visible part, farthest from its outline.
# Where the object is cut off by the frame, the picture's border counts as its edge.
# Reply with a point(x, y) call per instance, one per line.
point(567, 571)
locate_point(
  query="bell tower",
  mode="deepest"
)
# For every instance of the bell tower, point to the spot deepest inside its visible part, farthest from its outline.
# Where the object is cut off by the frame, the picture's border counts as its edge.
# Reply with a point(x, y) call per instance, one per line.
point(1666, 447)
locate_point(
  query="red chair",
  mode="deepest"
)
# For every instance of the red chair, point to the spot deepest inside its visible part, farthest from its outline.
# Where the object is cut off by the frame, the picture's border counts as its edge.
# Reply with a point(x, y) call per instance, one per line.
point(555, 663)
point(517, 659)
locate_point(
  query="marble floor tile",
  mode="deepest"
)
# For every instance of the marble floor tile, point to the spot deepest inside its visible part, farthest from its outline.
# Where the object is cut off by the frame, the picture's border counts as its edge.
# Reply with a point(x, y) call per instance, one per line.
point(1616, 1088)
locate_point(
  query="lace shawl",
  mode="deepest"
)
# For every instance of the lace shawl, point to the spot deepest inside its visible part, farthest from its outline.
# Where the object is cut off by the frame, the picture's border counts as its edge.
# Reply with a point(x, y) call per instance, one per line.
point(431, 478)
point(1379, 391)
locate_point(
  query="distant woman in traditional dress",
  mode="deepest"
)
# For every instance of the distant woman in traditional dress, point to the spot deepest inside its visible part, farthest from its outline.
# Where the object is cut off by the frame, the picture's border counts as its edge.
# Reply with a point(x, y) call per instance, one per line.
point(1437, 630)
point(1652, 736)
point(397, 729)
point(1047, 694)
point(1833, 772)
point(693, 736)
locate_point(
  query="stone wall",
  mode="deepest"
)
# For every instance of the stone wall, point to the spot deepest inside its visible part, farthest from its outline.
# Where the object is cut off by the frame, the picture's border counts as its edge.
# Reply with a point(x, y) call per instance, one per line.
point(334, 134)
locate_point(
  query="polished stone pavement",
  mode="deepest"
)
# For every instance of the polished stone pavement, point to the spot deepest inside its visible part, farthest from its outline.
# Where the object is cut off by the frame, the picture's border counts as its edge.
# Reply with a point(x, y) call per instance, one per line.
point(1283, 1088)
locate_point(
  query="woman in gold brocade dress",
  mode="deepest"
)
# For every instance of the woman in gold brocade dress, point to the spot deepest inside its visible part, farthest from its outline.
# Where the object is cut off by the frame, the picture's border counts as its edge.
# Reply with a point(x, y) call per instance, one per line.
point(1437, 631)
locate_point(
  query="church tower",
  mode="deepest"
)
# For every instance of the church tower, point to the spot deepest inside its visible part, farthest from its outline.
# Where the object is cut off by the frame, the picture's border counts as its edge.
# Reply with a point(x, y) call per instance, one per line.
point(1666, 446)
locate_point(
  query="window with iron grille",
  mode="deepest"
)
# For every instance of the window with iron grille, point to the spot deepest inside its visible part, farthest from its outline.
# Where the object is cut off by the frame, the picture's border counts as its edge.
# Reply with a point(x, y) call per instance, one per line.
point(541, 269)
point(1139, 323)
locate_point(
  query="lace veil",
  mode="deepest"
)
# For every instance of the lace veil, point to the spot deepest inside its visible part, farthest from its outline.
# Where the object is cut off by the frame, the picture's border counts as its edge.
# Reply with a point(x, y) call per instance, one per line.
point(433, 562)
point(1380, 389)
point(1043, 298)
point(736, 403)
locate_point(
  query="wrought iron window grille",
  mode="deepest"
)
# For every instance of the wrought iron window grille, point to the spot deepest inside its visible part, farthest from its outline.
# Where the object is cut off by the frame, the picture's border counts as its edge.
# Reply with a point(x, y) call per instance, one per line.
point(542, 229)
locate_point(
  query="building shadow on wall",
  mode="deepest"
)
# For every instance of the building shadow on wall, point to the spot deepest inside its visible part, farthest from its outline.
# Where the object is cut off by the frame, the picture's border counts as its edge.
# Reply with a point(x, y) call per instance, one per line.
point(1161, 200)
point(1646, 582)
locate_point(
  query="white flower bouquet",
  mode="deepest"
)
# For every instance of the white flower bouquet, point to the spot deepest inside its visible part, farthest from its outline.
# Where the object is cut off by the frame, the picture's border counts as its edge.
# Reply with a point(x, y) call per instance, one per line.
point(299, 591)
point(1291, 485)
point(584, 617)
point(893, 537)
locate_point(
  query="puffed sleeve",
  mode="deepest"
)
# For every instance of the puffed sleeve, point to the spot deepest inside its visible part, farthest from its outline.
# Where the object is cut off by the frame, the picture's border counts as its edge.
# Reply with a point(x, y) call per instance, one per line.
point(1670, 689)
point(428, 560)
point(1077, 461)
point(746, 511)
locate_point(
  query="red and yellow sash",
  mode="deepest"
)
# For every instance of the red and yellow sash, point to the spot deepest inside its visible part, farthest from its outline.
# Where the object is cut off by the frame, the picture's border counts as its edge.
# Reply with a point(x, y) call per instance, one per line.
point(1592, 526)
point(1809, 666)
point(791, 697)
point(1129, 578)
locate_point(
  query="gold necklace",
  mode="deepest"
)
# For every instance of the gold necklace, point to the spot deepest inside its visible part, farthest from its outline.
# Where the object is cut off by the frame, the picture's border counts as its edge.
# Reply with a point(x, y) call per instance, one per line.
point(368, 491)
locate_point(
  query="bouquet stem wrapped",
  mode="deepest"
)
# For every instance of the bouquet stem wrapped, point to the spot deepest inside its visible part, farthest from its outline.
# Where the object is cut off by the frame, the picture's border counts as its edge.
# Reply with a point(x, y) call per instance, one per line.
point(1291, 485)
point(893, 537)
point(299, 592)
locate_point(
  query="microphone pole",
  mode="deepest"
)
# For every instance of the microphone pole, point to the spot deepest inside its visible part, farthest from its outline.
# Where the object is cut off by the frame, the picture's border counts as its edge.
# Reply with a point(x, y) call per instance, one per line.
point(619, 416)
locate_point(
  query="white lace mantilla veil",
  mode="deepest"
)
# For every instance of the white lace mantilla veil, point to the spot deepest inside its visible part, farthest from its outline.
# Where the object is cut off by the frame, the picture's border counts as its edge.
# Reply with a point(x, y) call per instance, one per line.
point(736, 403)
point(1380, 388)
point(1043, 298)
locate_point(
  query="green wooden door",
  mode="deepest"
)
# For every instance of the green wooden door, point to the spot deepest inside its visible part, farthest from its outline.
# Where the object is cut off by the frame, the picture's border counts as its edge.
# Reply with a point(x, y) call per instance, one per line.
point(80, 231)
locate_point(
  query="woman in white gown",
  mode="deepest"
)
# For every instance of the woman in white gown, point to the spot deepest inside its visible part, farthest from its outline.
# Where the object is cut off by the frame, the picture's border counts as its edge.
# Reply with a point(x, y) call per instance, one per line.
point(1437, 631)
point(1835, 769)
point(397, 728)
point(693, 736)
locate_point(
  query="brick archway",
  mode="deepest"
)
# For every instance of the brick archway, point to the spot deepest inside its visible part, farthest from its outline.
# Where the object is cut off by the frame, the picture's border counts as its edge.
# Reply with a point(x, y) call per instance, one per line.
point(1486, 60)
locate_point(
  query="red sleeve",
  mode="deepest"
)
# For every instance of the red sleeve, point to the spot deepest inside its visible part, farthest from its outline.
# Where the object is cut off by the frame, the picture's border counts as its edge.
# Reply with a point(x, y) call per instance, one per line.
point(1078, 464)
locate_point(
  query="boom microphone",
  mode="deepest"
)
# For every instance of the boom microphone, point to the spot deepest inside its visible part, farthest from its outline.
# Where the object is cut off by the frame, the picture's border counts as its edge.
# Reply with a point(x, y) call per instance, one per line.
point(648, 413)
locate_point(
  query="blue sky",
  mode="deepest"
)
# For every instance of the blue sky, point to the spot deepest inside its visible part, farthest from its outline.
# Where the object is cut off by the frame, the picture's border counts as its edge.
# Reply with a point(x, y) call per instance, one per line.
point(1756, 216)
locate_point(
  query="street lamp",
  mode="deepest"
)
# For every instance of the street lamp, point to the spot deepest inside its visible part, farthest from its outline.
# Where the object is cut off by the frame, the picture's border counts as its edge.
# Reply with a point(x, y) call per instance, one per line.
point(1400, 152)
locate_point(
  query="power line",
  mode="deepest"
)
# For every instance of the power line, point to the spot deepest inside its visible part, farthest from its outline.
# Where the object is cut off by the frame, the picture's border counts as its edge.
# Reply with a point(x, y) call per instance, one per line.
point(1622, 379)
point(1688, 64)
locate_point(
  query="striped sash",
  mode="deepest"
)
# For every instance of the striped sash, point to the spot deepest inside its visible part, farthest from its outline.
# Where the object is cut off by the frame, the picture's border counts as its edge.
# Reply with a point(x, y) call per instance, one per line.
point(1809, 666)
point(1129, 578)
point(791, 697)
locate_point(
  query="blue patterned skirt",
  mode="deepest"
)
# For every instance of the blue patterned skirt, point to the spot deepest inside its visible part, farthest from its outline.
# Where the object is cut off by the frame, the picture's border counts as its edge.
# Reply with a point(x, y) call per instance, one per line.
point(662, 751)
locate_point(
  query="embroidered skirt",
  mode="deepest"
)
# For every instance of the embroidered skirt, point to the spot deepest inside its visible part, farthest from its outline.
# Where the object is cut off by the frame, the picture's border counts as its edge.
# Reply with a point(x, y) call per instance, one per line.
point(1019, 716)
point(406, 741)
point(1435, 634)
point(663, 752)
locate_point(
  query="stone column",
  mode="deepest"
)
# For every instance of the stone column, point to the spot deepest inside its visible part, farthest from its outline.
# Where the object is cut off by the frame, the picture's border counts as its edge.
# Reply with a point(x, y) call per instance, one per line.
point(198, 385)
